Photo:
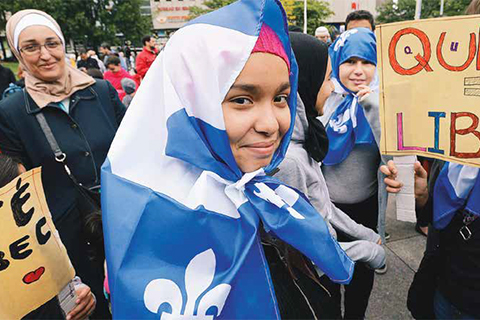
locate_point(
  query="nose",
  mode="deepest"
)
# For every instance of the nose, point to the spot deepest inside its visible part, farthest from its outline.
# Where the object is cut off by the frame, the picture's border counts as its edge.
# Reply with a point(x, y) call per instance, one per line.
point(266, 121)
point(44, 53)
point(358, 68)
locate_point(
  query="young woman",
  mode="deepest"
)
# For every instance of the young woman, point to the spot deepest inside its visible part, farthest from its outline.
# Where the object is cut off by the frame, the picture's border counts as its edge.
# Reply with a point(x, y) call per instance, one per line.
point(300, 168)
point(211, 121)
point(83, 115)
point(351, 165)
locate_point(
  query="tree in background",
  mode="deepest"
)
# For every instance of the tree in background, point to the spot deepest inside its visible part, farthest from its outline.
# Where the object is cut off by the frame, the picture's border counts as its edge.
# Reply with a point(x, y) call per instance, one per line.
point(317, 11)
point(89, 22)
point(403, 10)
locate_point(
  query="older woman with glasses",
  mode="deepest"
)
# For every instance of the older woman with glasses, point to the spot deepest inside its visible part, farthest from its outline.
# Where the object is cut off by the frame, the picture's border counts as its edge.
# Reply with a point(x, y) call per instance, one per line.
point(83, 115)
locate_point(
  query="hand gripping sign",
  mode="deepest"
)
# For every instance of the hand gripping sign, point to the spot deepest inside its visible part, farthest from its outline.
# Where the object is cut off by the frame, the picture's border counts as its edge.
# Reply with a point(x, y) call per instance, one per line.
point(34, 265)
point(430, 88)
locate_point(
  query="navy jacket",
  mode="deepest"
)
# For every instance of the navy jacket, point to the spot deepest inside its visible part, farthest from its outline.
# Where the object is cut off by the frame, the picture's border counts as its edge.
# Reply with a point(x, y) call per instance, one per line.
point(85, 135)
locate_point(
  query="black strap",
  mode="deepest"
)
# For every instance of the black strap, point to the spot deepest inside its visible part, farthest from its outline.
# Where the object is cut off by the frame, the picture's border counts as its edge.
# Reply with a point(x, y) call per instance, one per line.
point(59, 155)
point(50, 137)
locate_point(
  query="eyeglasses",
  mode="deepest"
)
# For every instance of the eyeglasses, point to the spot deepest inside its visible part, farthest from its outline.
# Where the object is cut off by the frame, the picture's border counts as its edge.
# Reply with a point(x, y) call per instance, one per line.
point(32, 49)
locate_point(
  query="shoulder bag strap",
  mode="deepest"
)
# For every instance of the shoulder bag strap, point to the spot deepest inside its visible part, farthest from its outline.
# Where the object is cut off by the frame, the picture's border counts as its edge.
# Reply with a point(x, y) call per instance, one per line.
point(59, 155)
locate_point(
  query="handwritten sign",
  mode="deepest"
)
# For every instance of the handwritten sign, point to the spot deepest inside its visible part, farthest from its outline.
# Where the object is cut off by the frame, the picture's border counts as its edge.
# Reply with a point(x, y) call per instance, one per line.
point(34, 265)
point(430, 88)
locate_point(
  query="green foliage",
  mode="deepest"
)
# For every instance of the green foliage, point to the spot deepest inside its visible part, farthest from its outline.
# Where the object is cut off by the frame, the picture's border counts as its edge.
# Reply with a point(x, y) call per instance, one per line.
point(90, 22)
point(403, 10)
point(317, 12)
point(12, 66)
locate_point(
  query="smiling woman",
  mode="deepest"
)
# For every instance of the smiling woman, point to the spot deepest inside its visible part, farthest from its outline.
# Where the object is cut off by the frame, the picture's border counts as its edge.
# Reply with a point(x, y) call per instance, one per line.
point(212, 122)
point(256, 111)
point(83, 116)
point(43, 53)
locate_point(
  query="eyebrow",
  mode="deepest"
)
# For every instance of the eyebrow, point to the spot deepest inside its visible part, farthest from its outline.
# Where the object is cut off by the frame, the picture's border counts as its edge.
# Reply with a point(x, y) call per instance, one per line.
point(284, 86)
point(35, 41)
point(255, 90)
point(246, 87)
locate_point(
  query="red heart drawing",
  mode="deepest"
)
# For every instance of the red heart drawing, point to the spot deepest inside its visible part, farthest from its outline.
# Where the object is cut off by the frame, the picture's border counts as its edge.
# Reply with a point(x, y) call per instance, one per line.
point(33, 275)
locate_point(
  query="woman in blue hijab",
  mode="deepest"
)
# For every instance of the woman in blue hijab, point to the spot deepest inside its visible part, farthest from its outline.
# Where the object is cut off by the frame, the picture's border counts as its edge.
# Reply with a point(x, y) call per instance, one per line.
point(351, 165)
point(187, 229)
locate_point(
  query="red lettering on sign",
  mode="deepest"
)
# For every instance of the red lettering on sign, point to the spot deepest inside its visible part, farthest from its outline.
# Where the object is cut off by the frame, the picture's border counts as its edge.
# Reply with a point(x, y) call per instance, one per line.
point(462, 132)
point(422, 60)
point(471, 53)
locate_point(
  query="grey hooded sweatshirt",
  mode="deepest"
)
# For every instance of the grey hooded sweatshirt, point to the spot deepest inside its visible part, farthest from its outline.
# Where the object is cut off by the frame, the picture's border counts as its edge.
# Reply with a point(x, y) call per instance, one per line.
point(300, 171)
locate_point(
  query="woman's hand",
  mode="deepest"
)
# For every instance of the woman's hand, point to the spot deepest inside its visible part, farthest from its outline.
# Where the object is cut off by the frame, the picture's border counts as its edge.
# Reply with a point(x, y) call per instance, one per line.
point(394, 186)
point(85, 304)
point(364, 92)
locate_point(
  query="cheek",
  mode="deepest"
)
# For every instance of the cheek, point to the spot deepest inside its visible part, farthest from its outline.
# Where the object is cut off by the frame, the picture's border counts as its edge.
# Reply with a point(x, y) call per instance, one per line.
point(343, 72)
point(236, 124)
point(370, 72)
point(283, 118)
point(30, 62)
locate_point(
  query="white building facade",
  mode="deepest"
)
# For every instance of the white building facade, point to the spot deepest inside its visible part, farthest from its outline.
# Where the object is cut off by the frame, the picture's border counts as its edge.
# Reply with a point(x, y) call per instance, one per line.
point(171, 14)
point(342, 8)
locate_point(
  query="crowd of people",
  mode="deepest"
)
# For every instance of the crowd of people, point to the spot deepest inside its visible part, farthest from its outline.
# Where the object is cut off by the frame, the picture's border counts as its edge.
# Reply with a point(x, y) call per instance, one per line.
point(284, 125)
point(112, 65)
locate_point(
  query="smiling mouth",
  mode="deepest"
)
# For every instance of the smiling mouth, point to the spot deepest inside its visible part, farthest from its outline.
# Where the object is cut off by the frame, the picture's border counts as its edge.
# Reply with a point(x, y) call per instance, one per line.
point(358, 81)
point(48, 66)
point(265, 149)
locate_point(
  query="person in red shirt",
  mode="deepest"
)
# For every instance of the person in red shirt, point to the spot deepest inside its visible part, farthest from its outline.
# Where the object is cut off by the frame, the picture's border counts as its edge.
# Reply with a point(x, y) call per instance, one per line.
point(147, 56)
point(115, 73)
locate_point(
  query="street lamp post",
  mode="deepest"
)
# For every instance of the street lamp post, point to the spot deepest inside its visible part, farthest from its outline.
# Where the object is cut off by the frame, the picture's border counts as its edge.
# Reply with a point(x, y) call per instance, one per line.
point(305, 16)
point(441, 7)
point(418, 10)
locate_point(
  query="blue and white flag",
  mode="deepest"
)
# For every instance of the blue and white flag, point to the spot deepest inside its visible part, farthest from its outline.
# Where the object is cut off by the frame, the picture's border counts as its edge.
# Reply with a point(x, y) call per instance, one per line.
point(180, 219)
point(348, 125)
point(457, 187)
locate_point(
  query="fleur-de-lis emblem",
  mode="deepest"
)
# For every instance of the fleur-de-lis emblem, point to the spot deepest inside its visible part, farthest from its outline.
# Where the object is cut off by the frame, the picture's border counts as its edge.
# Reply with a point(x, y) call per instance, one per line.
point(282, 197)
point(199, 276)
point(343, 37)
point(339, 124)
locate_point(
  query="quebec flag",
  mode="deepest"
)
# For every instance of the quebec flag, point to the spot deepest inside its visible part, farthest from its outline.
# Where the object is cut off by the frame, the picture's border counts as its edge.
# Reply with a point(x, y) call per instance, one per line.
point(457, 187)
point(181, 220)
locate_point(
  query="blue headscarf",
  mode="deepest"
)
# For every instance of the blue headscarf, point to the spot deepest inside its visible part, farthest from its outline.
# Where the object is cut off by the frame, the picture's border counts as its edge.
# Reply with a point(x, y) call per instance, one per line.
point(348, 125)
point(181, 220)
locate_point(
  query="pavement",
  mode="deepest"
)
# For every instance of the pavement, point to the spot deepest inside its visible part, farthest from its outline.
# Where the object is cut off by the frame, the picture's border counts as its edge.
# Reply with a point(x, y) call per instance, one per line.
point(404, 253)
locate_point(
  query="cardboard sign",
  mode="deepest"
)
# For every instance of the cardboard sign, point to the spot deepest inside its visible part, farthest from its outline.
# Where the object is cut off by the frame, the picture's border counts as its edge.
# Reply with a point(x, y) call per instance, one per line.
point(430, 88)
point(34, 265)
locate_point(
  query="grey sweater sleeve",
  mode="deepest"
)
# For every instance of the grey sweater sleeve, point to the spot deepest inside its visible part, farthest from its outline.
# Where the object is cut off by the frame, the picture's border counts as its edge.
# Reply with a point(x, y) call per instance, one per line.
point(342, 222)
point(365, 251)
point(294, 174)
point(371, 106)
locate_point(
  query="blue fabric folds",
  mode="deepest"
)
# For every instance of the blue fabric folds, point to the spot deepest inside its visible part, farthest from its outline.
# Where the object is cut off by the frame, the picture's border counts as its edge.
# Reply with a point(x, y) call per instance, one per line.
point(457, 188)
point(180, 218)
point(348, 125)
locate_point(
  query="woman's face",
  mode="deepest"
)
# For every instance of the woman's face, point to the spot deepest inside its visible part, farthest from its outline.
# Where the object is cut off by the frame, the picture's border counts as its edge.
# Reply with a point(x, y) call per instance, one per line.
point(46, 64)
point(325, 90)
point(256, 111)
point(356, 72)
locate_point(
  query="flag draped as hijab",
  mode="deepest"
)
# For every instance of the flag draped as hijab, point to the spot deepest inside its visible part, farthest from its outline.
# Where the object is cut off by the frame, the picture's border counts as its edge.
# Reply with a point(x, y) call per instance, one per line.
point(181, 220)
point(348, 125)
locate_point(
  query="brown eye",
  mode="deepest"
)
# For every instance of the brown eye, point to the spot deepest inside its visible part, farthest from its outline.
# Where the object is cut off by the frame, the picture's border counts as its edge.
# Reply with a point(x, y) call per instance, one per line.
point(52, 44)
point(241, 101)
point(31, 48)
point(283, 99)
